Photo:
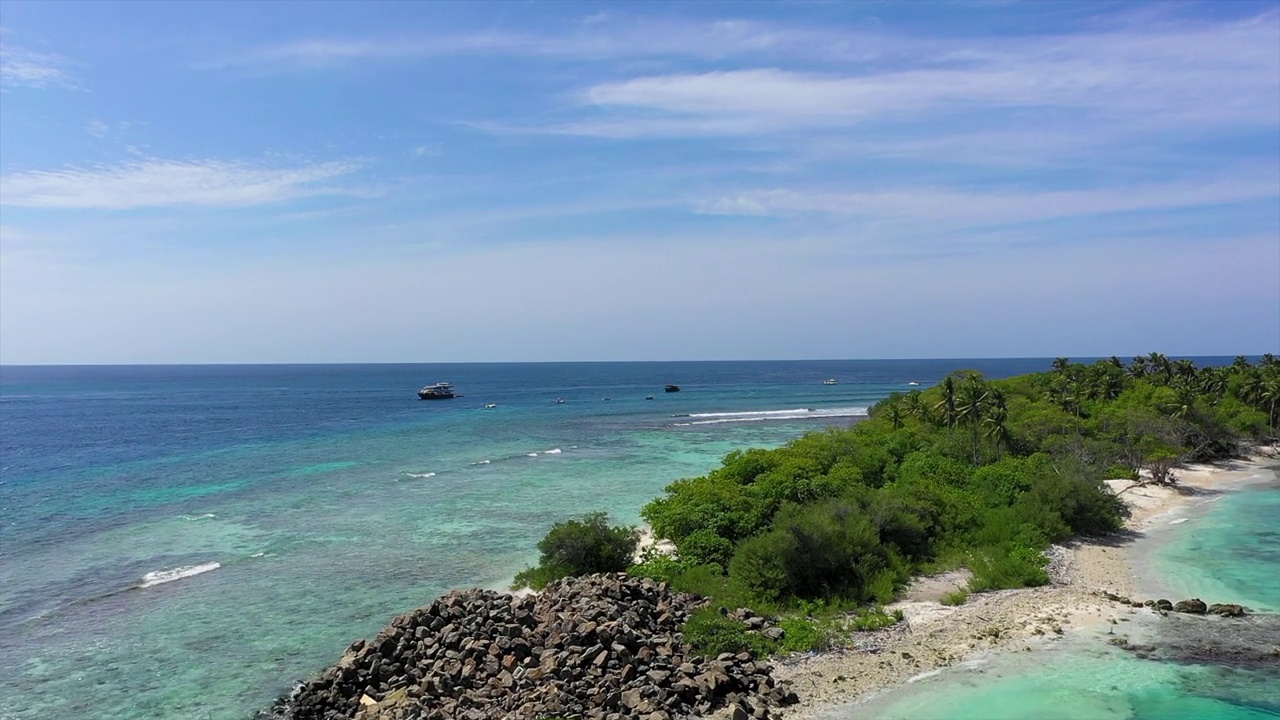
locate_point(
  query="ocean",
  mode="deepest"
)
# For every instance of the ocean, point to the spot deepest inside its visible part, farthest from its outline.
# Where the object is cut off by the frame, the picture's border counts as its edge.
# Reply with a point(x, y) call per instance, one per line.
point(189, 541)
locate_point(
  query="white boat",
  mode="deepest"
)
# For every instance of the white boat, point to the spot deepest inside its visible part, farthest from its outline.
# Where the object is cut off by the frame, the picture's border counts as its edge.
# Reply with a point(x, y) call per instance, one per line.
point(913, 382)
point(490, 406)
point(831, 381)
point(439, 391)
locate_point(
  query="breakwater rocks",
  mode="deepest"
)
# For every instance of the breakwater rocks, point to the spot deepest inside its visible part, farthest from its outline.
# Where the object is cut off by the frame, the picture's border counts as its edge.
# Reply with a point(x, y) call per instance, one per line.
point(601, 646)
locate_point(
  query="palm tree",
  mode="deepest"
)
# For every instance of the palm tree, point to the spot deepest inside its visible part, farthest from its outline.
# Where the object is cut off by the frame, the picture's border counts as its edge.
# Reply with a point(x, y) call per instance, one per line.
point(946, 407)
point(1213, 381)
point(1251, 388)
point(896, 415)
point(972, 405)
point(1161, 366)
point(1241, 362)
point(1114, 362)
point(1185, 370)
point(997, 415)
point(1061, 364)
point(1138, 368)
point(915, 407)
point(1270, 396)
point(1185, 405)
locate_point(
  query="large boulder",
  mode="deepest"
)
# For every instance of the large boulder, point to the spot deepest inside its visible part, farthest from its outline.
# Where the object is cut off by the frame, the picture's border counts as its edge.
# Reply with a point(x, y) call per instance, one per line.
point(1227, 610)
point(1194, 606)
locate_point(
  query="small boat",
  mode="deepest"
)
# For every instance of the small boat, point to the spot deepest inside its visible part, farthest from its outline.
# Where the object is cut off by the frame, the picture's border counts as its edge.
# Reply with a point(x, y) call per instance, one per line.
point(490, 406)
point(559, 401)
point(671, 388)
point(648, 397)
point(605, 399)
point(831, 381)
point(913, 382)
point(439, 391)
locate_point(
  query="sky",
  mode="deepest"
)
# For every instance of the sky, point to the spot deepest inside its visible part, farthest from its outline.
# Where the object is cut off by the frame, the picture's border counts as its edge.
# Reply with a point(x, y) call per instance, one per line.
point(539, 181)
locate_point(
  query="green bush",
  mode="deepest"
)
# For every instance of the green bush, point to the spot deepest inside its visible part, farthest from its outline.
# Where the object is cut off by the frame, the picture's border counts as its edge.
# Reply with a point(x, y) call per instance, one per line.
point(704, 547)
point(955, 598)
point(802, 635)
point(579, 547)
point(997, 568)
point(710, 633)
point(875, 619)
point(828, 549)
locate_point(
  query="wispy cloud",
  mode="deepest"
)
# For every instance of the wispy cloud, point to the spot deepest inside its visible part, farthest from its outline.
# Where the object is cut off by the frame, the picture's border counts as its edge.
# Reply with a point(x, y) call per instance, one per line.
point(1191, 73)
point(25, 68)
point(595, 37)
point(940, 207)
point(155, 182)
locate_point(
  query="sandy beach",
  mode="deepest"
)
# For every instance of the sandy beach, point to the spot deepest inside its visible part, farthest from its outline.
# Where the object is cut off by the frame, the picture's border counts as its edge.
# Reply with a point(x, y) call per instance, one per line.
point(934, 635)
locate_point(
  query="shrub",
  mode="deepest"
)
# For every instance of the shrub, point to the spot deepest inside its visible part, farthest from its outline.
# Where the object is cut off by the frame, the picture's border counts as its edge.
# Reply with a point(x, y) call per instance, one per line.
point(875, 619)
point(955, 598)
point(704, 547)
point(997, 568)
point(828, 549)
point(710, 633)
point(802, 635)
point(579, 547)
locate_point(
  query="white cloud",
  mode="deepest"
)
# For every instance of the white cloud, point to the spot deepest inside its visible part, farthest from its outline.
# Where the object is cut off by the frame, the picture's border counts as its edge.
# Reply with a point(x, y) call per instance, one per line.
point(600, 36)
point(154, 182)
point(943, 207)
point(1166, 75)
point(97, 128)
point(24, 68)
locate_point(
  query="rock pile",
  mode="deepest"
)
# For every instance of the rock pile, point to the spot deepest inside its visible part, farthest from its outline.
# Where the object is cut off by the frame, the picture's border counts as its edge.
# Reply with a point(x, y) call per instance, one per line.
point(602, 646)
point(1193, 606)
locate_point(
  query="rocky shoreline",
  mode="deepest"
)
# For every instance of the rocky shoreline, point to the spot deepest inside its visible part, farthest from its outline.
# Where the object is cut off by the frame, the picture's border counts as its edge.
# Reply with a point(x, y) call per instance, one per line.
point(601, 646)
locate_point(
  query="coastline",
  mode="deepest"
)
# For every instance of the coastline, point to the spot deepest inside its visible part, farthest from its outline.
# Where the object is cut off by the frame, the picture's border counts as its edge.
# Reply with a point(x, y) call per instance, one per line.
point(934, 636)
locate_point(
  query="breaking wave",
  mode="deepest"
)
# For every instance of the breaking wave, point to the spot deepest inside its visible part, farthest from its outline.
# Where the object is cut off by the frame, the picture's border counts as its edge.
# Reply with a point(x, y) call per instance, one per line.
point(761, 415)
point(160, 577)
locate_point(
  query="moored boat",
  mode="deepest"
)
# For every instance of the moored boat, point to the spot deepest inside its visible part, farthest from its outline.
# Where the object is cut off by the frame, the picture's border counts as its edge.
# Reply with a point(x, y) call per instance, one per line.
point(439, 391)
point(672, 388)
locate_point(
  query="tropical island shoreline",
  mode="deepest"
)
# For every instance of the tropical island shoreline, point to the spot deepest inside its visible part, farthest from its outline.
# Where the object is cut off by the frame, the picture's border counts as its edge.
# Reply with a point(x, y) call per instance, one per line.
point(973, 517)
point(1084, 571)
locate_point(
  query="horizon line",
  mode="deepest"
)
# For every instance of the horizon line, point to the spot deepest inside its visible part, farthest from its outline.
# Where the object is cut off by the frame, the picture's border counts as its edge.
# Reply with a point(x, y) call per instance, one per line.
point(604, 362)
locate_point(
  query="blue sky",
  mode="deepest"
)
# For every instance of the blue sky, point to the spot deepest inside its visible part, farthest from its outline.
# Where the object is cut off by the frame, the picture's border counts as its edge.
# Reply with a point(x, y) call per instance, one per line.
point(328, 182)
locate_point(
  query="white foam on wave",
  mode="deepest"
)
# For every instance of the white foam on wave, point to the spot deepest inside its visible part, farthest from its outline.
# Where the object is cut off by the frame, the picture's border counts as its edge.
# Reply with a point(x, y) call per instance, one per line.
point(531, 454)
point(206, 516)
point(160, 577)
point(420, 475)
point(760, 415)
point(1179, 521)
point(552, 451)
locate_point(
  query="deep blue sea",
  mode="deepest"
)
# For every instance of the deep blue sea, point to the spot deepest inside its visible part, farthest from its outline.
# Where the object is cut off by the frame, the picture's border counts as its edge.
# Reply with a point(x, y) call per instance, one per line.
point(188, 541)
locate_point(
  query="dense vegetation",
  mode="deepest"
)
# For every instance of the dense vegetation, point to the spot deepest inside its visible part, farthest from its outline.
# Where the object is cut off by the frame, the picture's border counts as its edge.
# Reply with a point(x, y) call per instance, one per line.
point(581, 547)
point(974, 473)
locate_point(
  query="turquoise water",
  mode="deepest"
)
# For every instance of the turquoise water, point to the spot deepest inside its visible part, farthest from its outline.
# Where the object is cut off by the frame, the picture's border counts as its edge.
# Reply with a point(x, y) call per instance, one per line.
point(330, 499)
point(1226, 551)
